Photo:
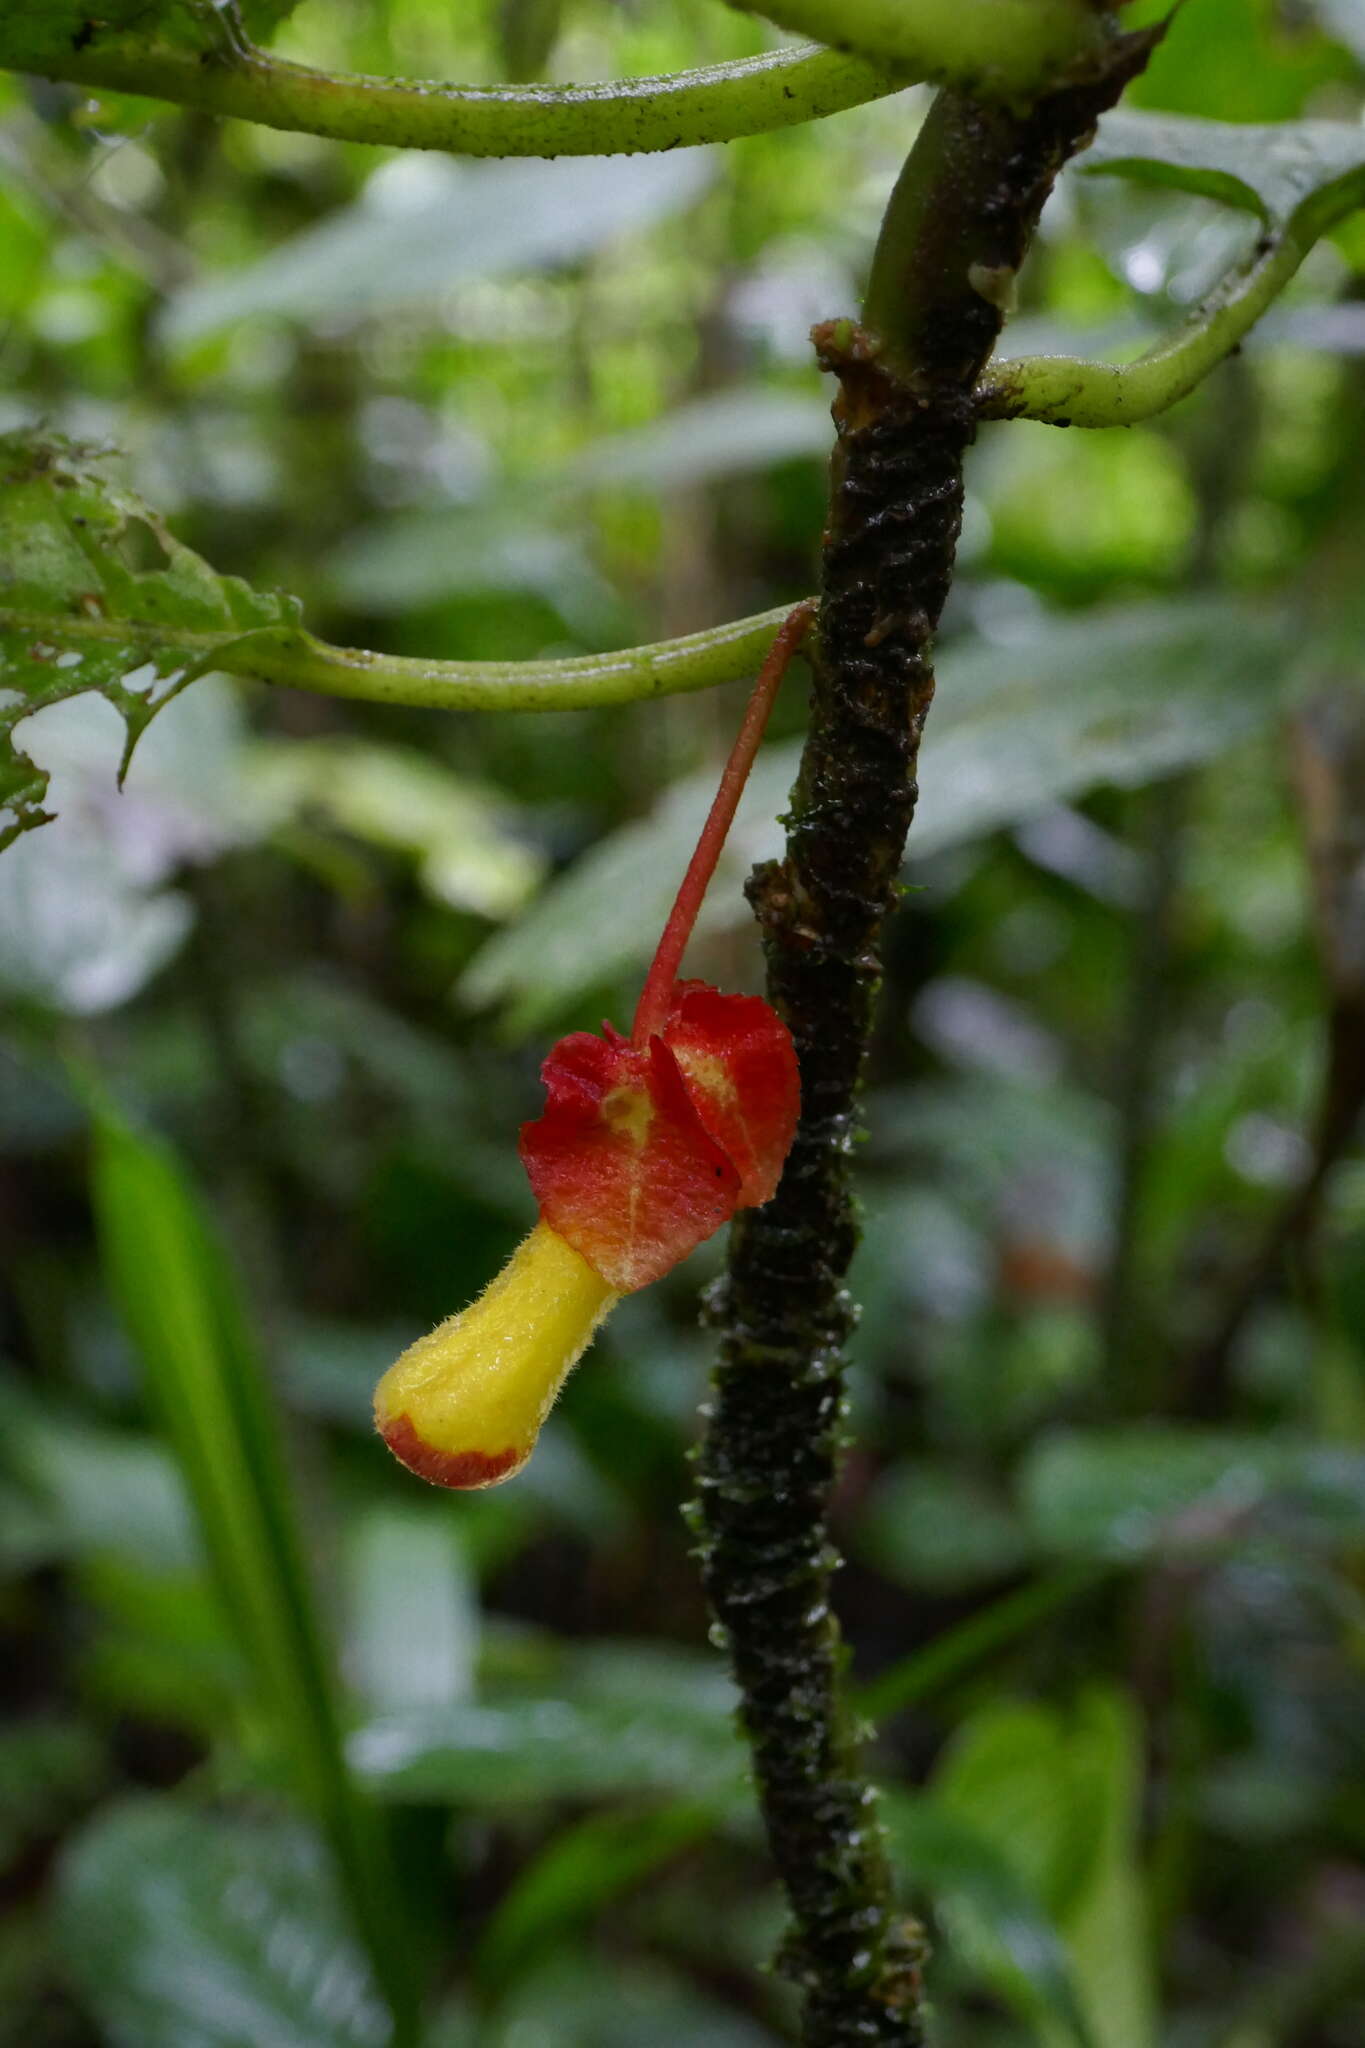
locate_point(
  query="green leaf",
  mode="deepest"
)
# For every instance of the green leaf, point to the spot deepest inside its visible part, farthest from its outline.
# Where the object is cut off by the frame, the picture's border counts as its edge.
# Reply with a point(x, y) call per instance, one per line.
point(34, 32)
point(181, 1930)
point(603, 917)
point(744, 428)
point(955, 1651)
point(929, 1525)
point(520, 1752)
point(973, 1887)
point(97, 594)
point(1251, 59)
point(1057, 1795)
point(49, 1770)
point(1106, 1923)
point(462, 835)
point(179, 1300)
point(1122, 698)
point(527, 31)
point(427, 225)
point(573, 2001)
point(582, 1869)
point(37, 34)
point(1281, 171)
point(161, 1649)
point(1160, 1490)
point(418, 558)
point(622, 1721)
point(415, 1618)
point(91, 1489)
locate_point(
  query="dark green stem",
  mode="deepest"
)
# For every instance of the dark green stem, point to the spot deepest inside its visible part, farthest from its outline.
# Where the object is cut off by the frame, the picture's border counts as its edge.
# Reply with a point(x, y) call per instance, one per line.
point(957, 229)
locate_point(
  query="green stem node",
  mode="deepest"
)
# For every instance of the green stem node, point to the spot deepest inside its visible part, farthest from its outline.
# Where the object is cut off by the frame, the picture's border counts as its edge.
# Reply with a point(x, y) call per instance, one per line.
point(1067, 391)
point(1005, 50)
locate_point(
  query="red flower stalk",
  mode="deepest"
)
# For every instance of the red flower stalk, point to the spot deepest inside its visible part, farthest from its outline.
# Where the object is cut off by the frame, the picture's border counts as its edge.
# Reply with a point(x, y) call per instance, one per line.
point(646, 1145)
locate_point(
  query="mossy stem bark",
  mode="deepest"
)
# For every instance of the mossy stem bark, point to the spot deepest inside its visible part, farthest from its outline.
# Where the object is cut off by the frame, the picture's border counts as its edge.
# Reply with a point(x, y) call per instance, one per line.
point(956, 231)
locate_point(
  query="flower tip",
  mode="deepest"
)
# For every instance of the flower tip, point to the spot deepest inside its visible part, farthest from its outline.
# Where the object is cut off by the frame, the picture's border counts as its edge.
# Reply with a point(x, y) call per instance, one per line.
point(463, 1406)
point(462, 1470)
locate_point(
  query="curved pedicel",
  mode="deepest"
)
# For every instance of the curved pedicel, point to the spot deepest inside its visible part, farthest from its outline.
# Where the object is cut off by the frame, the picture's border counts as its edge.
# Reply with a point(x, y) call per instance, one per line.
point(646, 1145)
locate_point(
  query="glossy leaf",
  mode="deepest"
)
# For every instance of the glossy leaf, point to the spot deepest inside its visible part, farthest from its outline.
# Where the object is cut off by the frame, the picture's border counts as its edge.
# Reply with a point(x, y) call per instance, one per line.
point(418, 557)
point(414, 558)
point(89, 1490)
point(1245, 59)
point(426, 226)
point(522, 1752)
point(1122, 698)
point(179, 1928)
point(618, 1720)
point(1278, 170)
point(1162, 1490)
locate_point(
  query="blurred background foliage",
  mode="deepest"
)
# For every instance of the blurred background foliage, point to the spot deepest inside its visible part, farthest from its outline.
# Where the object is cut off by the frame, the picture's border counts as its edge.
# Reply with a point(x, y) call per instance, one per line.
point(1105, 1508)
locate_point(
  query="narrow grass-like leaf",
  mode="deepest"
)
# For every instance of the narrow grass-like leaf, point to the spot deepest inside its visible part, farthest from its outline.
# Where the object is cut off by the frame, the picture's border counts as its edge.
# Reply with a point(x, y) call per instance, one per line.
point(179, 1301)
point(1055, 1795)
point(959, 1649)
point(976, 1888)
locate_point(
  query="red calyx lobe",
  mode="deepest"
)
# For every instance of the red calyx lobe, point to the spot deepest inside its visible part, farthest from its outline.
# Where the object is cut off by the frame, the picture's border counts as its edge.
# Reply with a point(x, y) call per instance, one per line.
point(645, 1150)
point(447, 1468)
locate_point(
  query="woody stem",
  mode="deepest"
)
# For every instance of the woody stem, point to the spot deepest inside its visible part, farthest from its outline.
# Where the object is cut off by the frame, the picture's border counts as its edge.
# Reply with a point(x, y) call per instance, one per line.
point(651, 1012)
point(957, 228)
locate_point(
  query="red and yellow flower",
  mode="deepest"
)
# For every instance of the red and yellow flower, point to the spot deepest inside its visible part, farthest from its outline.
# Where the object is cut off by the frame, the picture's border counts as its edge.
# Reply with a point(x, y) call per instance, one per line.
point(645, 1147)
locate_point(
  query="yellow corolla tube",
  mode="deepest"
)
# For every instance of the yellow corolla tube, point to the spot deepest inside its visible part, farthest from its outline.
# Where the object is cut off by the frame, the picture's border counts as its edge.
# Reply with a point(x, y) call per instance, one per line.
point(463, 1407)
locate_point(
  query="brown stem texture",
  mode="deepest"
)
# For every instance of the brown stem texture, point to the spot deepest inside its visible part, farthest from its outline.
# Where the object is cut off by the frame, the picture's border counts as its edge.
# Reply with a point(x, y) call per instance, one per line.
point(956, 232)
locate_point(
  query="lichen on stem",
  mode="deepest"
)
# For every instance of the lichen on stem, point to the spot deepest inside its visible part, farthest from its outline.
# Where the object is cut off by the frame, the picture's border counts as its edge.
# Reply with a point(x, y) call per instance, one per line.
point(959, 222)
